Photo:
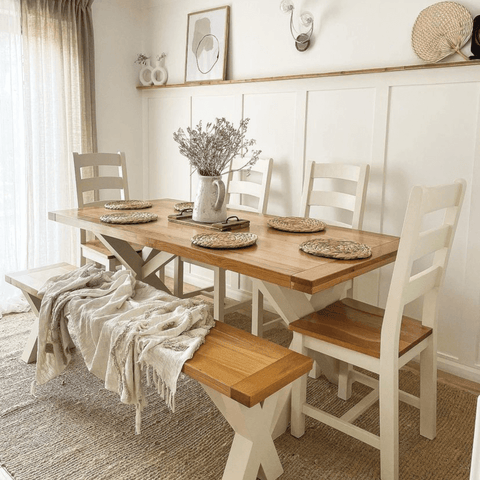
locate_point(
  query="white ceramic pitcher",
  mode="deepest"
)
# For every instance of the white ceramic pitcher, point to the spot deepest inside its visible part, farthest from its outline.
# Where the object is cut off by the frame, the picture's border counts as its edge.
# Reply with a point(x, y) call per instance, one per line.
point(210, 205)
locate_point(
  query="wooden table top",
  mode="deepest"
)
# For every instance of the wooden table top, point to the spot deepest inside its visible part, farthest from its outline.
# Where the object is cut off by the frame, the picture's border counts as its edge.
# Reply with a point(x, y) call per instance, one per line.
point(275, 258)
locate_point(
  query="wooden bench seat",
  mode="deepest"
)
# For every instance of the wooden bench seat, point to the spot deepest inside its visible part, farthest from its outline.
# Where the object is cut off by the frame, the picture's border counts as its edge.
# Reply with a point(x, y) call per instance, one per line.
point(244, 367)
point(248, 378)
point(30, 282)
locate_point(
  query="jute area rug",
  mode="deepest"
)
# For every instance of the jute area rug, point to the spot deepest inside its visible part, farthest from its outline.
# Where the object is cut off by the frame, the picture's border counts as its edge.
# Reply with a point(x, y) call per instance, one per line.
point(75, 429)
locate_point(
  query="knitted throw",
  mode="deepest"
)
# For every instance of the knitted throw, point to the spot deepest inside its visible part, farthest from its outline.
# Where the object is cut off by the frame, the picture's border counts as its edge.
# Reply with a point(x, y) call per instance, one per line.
point(122, 326)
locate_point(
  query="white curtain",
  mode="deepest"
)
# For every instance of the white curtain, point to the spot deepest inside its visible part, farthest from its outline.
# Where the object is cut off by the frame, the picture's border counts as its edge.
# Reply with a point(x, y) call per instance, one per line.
point(46, 113)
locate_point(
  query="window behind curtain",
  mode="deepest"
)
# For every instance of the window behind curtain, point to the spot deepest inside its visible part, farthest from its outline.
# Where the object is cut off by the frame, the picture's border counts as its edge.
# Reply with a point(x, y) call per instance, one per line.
point(46, 113)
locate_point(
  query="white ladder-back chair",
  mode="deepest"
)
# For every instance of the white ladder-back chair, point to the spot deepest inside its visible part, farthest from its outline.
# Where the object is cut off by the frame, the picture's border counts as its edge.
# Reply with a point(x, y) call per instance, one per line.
point(241, 193)
point(95, 187)
point(348, 193)
point(240, 185)
point(345, 179)
point(382, 341)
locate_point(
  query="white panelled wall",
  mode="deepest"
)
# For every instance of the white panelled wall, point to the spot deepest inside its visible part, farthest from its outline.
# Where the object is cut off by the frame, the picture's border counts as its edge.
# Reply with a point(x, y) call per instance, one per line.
point(413, 127)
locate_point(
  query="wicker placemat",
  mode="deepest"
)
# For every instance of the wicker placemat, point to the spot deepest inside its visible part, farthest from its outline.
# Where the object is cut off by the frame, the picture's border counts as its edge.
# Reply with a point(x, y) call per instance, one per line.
point(128, 205)
point(182, 206)
point(125, 218)
point(224, 240)
point(296, 224)
point(340, 249)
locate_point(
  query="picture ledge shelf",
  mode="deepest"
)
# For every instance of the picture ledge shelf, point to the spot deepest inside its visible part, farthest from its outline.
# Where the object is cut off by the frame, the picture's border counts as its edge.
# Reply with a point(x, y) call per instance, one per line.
point(318, 75)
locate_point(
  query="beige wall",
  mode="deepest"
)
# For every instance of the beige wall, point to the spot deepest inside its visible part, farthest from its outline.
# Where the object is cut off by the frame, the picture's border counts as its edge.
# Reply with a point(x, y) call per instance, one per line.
point(118, 30)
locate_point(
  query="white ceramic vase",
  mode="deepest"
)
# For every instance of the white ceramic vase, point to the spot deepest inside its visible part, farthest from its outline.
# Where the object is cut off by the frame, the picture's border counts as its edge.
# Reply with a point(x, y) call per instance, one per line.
point(146, 73)
point(209, 205)
point(159, 74)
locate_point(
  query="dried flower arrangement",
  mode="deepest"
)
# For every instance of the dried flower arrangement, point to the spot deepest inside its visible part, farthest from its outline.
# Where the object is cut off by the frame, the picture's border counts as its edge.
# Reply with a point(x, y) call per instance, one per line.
point(141, 59)
point(211, 150)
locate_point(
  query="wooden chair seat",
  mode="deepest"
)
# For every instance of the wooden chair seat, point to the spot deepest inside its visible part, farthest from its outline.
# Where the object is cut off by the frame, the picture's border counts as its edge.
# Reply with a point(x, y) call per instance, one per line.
point(358, 326)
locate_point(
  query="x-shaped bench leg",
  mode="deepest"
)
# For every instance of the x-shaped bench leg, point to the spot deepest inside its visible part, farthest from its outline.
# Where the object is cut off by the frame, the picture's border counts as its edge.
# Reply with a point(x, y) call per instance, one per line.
point(253, 452)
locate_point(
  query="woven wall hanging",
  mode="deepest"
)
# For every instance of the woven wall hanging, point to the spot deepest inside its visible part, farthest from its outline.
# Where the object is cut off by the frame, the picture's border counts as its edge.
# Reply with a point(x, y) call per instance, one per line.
point(441, 30)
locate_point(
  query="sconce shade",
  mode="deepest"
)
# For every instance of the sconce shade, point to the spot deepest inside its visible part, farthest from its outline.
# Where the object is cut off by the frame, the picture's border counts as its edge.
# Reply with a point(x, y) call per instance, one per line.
point(286, 6)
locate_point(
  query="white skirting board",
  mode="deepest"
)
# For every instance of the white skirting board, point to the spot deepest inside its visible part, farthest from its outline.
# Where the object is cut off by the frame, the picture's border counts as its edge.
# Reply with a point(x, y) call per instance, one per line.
point(455, 368)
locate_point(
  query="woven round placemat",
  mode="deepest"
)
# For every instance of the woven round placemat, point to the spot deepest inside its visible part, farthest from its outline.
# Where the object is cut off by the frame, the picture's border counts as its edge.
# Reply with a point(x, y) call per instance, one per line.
point(296, 224)
point(224, 240)
point(128, 205)
point(441, 30)
point(183, 206)
point(340, 249)
point(125, 218)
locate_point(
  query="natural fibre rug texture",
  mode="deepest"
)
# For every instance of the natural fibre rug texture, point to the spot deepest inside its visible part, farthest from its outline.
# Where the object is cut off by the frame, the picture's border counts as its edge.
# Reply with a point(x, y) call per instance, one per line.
point(75, 429)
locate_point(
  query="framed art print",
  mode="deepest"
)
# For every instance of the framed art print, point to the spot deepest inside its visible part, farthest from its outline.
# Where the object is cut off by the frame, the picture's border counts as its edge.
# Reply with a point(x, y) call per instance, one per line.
point(207, 45)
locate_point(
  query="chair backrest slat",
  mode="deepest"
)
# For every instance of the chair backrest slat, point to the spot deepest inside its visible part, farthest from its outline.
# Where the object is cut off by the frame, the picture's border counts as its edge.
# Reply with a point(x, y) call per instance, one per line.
point(98, 159)
point(432, 240)
point(101, 183)
point(422, 283)
point(341, 200)
point(245, 188)
point(336, 198)
point(237, 188)
point(440, 197)
point(336, 170)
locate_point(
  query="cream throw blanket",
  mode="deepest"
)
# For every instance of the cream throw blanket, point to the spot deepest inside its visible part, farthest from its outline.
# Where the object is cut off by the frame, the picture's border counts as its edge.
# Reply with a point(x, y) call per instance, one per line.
point(122, 326)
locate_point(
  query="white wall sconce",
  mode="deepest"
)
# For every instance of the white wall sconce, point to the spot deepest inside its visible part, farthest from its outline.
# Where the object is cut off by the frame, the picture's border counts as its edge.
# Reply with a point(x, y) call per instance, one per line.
point(302, 40)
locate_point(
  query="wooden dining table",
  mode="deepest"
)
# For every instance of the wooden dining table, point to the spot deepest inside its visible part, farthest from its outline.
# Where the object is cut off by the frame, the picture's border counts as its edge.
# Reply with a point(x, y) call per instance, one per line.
point(275, 259)
point(294, 283)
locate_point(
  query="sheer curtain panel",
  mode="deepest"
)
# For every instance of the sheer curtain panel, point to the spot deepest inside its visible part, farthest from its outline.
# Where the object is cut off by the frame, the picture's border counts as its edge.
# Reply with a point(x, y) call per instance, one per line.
point(51, 114)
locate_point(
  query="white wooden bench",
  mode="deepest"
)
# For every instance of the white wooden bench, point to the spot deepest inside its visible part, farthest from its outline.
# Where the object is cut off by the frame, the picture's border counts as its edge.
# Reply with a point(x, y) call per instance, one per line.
point(30, 282)
point(248, 378)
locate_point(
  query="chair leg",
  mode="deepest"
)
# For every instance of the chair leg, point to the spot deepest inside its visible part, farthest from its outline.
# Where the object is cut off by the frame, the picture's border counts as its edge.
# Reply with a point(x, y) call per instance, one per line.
point(344, 381)
point(389, 443)
point(161, 274)
point(428, 392)
point(257, 312)
point(299, 392)
point(219, 294)
point(178, 277)
point(111, 264)
point(299, 398)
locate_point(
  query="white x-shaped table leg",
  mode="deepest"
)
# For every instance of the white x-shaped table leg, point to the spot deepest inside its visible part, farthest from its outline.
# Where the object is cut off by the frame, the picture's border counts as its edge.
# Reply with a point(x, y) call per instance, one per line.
point(144, 266)
point(253, 454)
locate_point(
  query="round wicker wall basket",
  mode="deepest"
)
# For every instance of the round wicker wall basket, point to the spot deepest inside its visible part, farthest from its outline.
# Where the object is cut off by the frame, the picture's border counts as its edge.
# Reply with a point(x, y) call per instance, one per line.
point(441, 30)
